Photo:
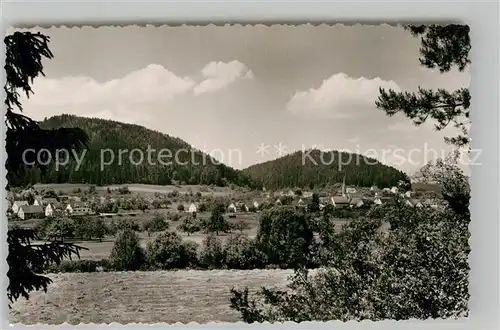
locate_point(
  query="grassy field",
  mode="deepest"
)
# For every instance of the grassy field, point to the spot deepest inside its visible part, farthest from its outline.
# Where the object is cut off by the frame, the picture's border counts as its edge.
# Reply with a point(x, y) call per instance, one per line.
point(148, 297)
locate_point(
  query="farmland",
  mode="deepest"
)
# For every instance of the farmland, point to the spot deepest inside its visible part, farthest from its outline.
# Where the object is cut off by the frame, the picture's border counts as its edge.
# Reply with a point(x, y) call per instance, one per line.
point(148, 297)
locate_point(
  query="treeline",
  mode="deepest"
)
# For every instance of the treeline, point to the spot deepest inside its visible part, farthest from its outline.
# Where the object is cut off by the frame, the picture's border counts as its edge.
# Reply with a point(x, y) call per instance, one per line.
point(190, 167)
point(311, 169)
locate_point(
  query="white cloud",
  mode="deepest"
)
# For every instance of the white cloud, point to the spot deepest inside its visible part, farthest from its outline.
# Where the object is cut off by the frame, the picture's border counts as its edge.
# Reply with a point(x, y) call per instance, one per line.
point(218, 75)
point(128, 98)
point(339, 96)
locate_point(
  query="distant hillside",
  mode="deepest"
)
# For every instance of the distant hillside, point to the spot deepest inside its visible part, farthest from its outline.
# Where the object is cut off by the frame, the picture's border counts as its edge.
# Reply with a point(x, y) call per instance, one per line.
point(193, 166)
point(292, 171)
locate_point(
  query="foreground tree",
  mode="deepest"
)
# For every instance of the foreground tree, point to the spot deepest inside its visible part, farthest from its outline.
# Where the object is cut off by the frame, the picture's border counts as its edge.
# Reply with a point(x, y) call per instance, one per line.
point(23, 63)
point(442, 47)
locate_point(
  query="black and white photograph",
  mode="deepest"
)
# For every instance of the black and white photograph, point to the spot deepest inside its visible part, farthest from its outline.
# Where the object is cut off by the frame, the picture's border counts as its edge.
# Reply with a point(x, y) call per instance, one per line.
point(238, 173)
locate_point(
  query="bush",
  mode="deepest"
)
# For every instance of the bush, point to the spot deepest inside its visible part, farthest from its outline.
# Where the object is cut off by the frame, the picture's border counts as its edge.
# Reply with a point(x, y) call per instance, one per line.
point(125, 224)
point(167, 251)
point(127, 253)
point(80, 266)
point(212, 253)
point(240, 252)
point(191, 253)
point(180, 208)
point(123, 190)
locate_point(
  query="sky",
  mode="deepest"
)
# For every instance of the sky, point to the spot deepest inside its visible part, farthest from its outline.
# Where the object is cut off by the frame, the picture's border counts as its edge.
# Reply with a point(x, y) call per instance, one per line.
point(247, 94)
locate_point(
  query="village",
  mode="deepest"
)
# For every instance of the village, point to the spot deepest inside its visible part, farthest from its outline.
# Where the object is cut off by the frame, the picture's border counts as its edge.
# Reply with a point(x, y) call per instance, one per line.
point(105, 202)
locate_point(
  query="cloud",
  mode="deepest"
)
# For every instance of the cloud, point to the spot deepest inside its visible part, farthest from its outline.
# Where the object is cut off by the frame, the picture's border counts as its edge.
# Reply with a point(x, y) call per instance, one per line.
point(339, 96)
point(219, 75)
point(130, 97)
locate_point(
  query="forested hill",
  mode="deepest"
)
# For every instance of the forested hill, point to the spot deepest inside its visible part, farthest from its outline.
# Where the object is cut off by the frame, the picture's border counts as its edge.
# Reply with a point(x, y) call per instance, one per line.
point(305, 169)
point(193, 167)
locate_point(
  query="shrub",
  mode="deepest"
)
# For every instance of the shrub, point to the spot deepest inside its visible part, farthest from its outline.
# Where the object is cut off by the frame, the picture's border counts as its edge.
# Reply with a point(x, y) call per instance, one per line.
point(124, 190)
point(80, 266)
point(127, 253)
point(124, 224)
point(190, 250)
point(167, 251)
point(212, 253)
point(180, 208)
point(240, 252)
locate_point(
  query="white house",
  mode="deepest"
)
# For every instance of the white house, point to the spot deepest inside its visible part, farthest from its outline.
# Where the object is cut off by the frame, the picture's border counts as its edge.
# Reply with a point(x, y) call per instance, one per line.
point(38, 201)
point(290, 193)
point(17, 204)
point(231, 208)
point(256, 204)
point(340, 201)
point(377, 201)
point(394, 190)
point(78, 209)
point(357, 202)
point(50, 210)
point(373, 188)
point(278, 201)
point(300, 202)
point(408, 194)
point(192, 208)
point(416, 203)
point(30, 211)
point(307, 194)
point(350, 190)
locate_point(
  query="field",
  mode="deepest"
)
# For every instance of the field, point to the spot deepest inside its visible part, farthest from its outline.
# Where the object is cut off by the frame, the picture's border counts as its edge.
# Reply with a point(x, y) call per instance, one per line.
point(145, 189)
point(148, 297)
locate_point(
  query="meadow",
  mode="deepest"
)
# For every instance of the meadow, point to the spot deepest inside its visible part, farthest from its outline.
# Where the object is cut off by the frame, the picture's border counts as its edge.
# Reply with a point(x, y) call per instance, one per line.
point(148, 297)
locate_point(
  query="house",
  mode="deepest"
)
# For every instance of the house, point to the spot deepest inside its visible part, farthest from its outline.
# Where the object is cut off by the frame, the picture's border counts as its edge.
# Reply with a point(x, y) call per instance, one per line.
point(38, 201)
point(30, 211)
point(231, 208)
point(50, 210)
point(17, 204)
point(350, 190)
point(278, 201)
point(78, 209)
point(394, 190)
point(357, 202)
point(416, 203)
point(192, 208)
point(290, 193)
point(307, 194)
point(340, 201)
point(244, 208)
point(256, 204)
point(407, 194)
point(377, 201)
point(373, 188)
point(408, 203)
